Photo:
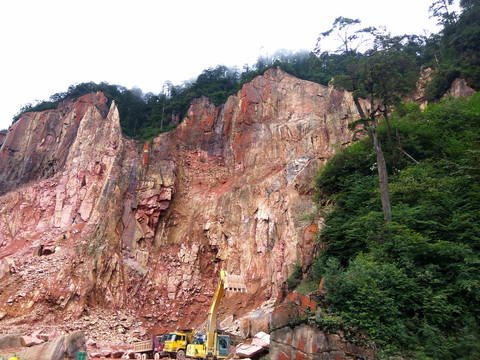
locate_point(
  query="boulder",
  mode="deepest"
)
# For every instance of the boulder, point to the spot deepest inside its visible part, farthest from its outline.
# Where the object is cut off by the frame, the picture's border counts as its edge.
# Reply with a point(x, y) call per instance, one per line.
point(32, 340)
point(248, 350)
point(11, 341)
point(261, 339)
point(106, 353)
point(117, 354)
point(92, 343)
point(5, 266)
point(66, 346)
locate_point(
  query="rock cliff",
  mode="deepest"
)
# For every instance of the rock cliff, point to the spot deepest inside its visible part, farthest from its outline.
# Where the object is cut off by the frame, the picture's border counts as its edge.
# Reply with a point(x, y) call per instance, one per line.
point(90, 220)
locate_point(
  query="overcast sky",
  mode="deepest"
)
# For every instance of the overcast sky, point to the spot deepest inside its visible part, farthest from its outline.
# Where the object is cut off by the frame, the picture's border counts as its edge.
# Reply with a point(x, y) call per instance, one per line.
point(48, 45)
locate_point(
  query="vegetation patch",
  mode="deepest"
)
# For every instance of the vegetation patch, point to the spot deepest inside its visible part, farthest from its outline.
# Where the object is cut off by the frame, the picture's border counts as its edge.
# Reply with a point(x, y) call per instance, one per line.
point(412, 282)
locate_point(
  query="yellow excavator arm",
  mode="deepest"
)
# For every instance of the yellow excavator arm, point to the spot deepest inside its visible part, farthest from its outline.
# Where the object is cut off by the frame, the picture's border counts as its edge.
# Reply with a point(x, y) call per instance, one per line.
point(231, 283)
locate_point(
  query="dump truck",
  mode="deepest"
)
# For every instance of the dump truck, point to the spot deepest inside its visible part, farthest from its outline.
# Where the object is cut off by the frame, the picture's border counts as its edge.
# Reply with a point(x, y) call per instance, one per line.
point(149, 349)
point(176, 343)
point(212, 345)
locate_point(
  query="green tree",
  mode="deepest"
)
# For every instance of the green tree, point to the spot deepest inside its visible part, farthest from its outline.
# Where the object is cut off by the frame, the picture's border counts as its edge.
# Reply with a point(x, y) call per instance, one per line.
point(383, 74)
point(456, 49)
point(412, 283)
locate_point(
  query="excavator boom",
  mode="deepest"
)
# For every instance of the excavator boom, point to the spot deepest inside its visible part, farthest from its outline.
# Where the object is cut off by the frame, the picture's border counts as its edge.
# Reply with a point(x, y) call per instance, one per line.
point(229, 283)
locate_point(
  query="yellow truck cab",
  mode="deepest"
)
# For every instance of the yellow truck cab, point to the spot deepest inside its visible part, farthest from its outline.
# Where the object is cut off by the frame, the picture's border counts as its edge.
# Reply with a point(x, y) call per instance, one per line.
point(221, 349)
point(176, 343)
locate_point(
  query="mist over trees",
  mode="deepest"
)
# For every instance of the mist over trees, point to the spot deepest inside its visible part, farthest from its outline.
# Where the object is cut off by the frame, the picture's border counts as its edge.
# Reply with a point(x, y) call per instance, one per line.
point(453, 53)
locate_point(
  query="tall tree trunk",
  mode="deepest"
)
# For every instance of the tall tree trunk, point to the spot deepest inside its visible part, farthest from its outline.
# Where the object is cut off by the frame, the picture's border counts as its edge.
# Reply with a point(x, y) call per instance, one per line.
point(389, 134)
point(359, 107)
point(381, 164)
point(382, 175)
point(355, 99)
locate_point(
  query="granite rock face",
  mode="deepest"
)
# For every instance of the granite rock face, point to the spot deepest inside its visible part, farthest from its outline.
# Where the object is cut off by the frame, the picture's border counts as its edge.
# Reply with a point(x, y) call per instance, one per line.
point(90, 219)
point(60, 348)
point(306, 342)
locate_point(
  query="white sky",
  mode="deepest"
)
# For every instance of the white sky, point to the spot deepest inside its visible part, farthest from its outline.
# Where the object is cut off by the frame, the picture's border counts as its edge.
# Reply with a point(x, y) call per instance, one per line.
point(48, 45)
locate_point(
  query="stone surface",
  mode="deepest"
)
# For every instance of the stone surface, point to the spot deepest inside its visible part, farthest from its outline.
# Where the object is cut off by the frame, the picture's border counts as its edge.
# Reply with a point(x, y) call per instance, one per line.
point(309, 342)
point(143, 230)
point(11, 341)
point(249, 350)
point(261, 339)
point(60, 348)
point(459, 88)
point(309, 247)
point(31, 340)
point(295, 306)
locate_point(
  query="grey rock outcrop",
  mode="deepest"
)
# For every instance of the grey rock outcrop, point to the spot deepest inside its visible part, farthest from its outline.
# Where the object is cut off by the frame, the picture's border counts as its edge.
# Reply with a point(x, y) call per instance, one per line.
point(310, 343)
point(61, 348)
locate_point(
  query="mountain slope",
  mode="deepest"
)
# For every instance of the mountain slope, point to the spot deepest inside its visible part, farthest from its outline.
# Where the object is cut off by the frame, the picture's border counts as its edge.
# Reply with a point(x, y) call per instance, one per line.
point(90, 220)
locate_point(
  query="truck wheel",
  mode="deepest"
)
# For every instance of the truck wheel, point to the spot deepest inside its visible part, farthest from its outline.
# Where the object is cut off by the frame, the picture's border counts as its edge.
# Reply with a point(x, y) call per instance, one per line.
point(157, 356)
point(144, 356)
point(181, 355)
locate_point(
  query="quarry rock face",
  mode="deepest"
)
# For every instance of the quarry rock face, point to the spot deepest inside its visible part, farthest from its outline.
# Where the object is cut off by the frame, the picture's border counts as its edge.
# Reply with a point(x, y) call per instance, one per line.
point(310, 343)
point(92, 220)
point(39, 144)
point(62, 347)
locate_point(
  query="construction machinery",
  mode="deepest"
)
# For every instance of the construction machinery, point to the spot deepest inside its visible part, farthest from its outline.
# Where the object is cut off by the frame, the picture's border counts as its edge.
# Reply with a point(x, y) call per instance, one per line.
point(176, 343)
point(150, 348)
point(213, 345)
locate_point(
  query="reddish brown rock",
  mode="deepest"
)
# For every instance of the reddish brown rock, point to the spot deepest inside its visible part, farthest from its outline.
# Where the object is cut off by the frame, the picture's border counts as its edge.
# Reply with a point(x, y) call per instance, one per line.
point(309, 343)
point(309, 247)
point(62, 347)
point(148, 231)
point(296, 305)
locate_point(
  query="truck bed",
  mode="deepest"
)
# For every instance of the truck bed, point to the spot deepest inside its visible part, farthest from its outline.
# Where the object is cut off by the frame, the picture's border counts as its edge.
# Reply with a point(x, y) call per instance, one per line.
point(143, 346)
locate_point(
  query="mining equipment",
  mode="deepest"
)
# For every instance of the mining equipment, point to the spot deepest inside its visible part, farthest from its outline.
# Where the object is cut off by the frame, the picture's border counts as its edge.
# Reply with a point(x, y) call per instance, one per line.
point(152, 348)
point(176, 343)
point(212, 345)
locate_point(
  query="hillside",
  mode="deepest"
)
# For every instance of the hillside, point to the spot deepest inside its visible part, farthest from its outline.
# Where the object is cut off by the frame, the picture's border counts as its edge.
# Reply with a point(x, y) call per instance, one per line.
point(91, 220)
point(359, 187)
point(410, 282)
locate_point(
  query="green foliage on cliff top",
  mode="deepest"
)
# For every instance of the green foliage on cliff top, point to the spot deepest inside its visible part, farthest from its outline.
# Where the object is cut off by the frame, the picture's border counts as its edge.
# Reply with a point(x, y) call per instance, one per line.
point(412, 283)
point(453, 52)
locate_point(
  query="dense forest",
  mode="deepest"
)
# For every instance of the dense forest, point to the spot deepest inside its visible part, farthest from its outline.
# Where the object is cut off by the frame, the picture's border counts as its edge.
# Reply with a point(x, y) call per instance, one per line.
point(412, 282)
point(400, 261)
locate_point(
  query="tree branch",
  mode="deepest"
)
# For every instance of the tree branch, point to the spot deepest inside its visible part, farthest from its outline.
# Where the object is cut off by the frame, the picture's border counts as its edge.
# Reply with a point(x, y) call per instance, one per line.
point(401, 149)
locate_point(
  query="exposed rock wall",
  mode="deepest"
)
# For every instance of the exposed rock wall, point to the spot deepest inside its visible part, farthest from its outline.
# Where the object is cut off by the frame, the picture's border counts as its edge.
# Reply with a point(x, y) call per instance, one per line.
point(295, 335)
point(64, 211)
point(148, 229)
point(38, 145)
point(60, 348)
point(306, 342)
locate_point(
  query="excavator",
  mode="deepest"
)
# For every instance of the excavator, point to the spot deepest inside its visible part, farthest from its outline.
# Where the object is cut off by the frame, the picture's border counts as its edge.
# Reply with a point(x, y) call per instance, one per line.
point(213, 345)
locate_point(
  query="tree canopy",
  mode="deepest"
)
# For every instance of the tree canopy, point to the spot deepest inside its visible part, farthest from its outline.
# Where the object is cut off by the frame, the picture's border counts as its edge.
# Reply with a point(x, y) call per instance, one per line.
point(453, 52)
point(411, 283)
